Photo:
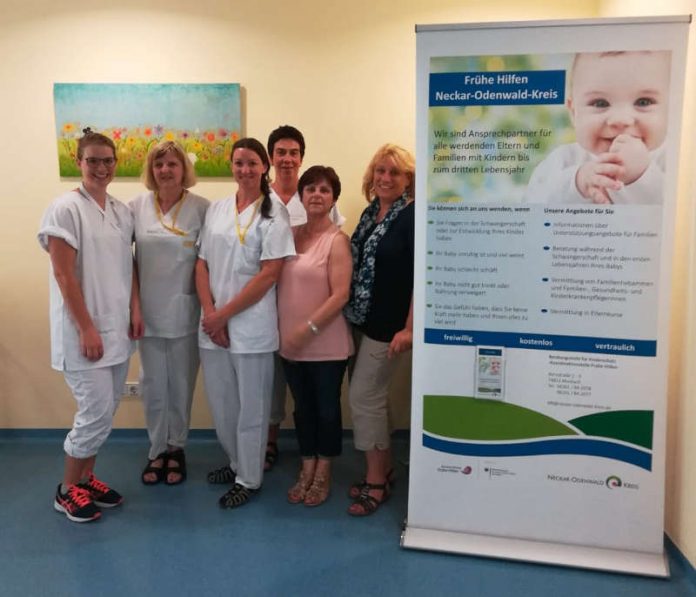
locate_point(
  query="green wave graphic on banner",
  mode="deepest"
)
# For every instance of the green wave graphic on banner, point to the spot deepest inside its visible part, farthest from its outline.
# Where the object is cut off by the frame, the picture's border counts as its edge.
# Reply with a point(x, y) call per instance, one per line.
point(463, 417)
point(632, 426)
point(468, 418)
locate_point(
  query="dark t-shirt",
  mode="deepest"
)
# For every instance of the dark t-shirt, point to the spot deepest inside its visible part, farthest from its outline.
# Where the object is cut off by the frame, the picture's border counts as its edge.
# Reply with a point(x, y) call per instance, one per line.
point(393, 284)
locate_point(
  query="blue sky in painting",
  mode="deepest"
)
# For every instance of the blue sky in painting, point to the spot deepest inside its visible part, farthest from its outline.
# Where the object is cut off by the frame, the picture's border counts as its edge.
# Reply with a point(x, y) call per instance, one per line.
point(180, 106)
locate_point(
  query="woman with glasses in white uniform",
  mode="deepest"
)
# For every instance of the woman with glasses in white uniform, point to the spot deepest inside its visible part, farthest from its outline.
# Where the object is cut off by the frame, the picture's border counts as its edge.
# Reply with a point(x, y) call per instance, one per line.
point(94, 309)
point(168, 220)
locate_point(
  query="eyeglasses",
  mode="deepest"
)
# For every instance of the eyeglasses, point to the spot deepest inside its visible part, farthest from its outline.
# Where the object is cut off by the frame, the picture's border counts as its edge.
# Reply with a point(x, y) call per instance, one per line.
point(94, 162)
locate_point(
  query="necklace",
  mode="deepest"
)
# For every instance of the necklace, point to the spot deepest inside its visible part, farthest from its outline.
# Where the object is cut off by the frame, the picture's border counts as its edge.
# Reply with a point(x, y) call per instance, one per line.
point(242, 232)
point(173, 229)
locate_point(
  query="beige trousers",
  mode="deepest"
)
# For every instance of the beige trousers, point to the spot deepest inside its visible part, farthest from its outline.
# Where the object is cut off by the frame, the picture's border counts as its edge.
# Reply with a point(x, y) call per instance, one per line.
point(370, 375)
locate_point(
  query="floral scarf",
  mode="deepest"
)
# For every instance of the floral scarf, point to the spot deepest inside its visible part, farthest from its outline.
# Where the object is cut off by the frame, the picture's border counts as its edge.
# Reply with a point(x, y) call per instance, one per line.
point(364, 265)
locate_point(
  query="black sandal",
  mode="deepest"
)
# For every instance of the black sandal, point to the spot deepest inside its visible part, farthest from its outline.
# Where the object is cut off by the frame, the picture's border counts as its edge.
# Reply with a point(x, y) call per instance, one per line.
point(158, 471)
point(369, 504)
point(356, 488)
point(237, 496)
point(222, 476)
point(272, 454)
point(179, 457)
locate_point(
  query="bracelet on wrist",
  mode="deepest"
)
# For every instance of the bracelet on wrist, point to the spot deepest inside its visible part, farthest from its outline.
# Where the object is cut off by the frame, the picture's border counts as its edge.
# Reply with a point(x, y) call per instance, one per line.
point(313, 327)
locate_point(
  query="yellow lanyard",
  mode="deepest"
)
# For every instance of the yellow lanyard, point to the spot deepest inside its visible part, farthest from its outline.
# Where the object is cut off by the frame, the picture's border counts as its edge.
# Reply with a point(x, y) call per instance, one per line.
point(242, 232)
point(173, 229)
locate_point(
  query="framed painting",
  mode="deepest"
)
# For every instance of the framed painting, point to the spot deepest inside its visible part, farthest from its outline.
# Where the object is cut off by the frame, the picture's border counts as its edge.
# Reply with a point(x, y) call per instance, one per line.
point(204, 118)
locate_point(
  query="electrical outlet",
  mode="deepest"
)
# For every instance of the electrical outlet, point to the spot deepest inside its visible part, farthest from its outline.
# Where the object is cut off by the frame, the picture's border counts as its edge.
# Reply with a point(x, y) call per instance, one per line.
point(131, 389)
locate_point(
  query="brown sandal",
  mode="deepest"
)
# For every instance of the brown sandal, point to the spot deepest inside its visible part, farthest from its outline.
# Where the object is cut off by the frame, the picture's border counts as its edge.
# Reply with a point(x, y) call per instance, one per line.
point(318, 492)
point(367, 503)
point(297, 493)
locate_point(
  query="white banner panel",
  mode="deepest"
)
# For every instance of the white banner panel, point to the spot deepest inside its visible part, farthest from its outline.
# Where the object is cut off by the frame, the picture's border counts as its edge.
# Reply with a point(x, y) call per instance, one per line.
point(546, 189)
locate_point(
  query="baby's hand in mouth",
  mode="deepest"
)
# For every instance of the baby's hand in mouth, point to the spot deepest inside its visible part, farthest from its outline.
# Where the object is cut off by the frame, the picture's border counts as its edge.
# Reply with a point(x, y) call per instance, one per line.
point(634, 157)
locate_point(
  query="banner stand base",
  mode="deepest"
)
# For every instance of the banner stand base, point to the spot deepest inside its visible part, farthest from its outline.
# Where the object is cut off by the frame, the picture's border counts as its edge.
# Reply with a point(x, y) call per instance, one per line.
point(559, 554)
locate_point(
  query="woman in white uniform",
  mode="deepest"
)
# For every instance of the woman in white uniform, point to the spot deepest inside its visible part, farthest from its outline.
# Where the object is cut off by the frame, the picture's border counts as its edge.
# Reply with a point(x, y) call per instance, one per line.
point(94, 310)
point(242, 246)
point(168, 219)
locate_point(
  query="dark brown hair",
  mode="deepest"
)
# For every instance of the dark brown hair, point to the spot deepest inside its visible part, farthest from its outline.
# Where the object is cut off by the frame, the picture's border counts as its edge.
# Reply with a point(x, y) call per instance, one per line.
point(316, 174)
point(256, 146)
point(286, 132)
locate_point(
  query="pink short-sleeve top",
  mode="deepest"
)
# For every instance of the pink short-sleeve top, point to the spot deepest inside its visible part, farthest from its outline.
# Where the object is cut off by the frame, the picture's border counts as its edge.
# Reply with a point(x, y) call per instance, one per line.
point(302, 288)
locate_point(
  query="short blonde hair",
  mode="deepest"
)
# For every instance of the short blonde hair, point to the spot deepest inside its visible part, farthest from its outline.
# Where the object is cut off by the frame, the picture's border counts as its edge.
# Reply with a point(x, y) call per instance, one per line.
point(402, 158)
point(159, 150)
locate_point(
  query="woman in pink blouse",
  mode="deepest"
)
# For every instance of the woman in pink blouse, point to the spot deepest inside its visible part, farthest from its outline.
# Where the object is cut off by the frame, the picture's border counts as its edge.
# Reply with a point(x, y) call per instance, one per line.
point(315, 341)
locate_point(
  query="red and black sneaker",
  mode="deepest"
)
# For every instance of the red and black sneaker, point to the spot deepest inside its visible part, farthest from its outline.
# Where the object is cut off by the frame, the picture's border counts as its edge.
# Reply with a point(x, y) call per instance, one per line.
point(102, 495)
point(76, 504)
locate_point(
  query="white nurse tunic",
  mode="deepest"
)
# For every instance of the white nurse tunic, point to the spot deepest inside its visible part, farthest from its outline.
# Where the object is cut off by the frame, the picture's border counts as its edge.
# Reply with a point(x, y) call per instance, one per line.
point(238, 380)
point(104, 267)
point(231, 265)
point(165, 250)
point(166, 262)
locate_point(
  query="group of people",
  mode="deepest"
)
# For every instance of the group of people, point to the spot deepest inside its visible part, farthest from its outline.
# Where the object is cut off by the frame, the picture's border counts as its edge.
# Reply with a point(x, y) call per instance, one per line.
point(262, 288)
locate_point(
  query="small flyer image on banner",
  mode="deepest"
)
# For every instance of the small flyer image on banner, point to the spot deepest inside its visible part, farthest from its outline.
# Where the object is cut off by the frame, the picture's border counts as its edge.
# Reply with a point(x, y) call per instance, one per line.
point(490, 372)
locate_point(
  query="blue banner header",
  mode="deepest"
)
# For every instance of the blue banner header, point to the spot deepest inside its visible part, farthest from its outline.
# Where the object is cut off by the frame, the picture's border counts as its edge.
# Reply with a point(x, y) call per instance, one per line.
point(511, 88)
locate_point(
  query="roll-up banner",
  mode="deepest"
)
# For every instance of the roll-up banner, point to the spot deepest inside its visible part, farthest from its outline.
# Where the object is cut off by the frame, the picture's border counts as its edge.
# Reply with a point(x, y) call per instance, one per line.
point(546, 187)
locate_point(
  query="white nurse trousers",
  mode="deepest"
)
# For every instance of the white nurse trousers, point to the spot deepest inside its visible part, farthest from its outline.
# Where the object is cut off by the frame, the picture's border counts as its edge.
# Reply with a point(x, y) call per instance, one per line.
point(167, 379)
point(238, 387)
point(98, 394)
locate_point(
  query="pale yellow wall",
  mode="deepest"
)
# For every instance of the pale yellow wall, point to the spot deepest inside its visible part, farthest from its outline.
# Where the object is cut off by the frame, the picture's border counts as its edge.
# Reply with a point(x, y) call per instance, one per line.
point(681, 439)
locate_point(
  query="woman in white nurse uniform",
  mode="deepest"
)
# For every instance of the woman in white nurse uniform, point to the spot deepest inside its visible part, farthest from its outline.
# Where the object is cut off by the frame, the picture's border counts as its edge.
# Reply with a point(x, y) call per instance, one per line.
point(242, 247)
point(94, 310)
point(168, 220)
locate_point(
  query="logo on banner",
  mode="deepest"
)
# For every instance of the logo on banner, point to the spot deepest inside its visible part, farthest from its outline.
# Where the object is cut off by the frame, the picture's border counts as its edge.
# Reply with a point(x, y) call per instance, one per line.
point(613, 482)
point(492, 472)
point(455, 468)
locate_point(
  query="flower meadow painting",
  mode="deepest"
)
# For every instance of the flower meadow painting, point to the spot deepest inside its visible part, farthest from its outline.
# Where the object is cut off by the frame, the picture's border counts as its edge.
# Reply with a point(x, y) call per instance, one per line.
point(204, 118)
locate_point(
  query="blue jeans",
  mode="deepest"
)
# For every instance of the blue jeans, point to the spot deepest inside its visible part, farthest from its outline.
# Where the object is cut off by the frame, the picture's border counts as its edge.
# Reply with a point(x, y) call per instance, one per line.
point(316, 389)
